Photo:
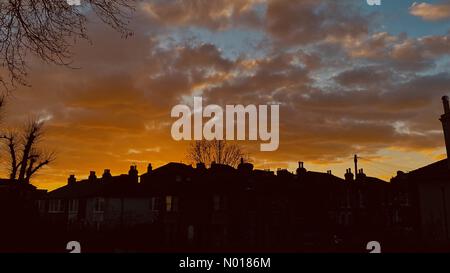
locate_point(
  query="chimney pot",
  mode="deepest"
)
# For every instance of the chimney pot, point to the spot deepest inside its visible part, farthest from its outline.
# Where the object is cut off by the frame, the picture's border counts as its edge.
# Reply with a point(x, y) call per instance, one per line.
point(71, 180)
point(348, 175)
point(133, 170)
point(92, 176)
point(106, 173)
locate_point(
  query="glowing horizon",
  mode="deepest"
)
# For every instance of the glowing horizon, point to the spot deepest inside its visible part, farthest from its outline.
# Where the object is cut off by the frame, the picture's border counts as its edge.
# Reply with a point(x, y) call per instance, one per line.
point(348, 78)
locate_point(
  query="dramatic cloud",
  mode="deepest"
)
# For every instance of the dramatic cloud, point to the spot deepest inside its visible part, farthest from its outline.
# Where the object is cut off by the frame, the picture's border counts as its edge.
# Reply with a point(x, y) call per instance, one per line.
point(431, 12)
point(299, 22)
point(343, 85)
point(215, 15)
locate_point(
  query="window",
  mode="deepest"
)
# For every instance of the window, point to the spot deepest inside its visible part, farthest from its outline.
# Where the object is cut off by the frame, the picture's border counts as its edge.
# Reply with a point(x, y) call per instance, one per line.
point(348, 217)
point(219, 202)
point(55, 206)
point(171, 203)
point(99, 205)
point(41, 205)
point(155, 203)
point(190, 234)
point(168, 203)
point(73, 205)
point(396, 217)
point(361, 199)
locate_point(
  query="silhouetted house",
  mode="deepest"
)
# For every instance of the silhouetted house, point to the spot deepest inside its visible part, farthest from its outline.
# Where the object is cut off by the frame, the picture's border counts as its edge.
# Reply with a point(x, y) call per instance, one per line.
point(248, 209)
point(422, 205)
point(422, 198)
point(224, 208)
point(178, 207)
point(370, 198)
point(19, 214)
point(109, 202)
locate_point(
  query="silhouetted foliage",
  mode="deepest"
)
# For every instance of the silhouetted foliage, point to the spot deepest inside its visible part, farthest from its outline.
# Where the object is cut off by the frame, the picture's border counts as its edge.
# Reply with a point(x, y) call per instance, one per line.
point(25, 158)
point(218, 151)
point(47, 29)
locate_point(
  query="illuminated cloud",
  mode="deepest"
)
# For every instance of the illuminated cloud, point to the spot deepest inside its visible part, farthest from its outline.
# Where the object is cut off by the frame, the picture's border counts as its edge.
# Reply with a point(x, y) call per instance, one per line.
point(431, 12)
point(343, 88)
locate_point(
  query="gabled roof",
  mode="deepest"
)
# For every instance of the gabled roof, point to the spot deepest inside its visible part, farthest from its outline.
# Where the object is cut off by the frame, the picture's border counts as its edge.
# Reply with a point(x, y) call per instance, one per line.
point(79, 189)
point(439, 168)
point(326, 177)
point(14, 183)
point(173, 168)
point(120, 185)
point(435, 172)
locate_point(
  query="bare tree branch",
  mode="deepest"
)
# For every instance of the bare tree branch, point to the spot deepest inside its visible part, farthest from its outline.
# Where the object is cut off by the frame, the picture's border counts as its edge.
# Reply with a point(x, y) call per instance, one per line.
point(29, 138)
point(37, 161)
point(12, 147)
point(48, 29)
point(218, 151)
point(25, 157)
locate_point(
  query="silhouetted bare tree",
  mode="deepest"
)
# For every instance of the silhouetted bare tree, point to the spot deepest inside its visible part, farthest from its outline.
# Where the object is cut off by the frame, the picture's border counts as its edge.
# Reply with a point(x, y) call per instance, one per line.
point(48, 28)
point(25, 157)
point(218, 151)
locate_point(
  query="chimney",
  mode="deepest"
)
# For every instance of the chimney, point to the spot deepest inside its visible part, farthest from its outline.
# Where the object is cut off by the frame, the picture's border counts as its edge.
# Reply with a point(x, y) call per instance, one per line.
point(201, 166)
point(446, 104)
point(445, 119)
point(245, 167)
point(133, 174)
point(92, 176)
point(301, 168)
point(71, 180)
point(149, 168)
point(348, 175)
point(360, 175)
point(107, 174)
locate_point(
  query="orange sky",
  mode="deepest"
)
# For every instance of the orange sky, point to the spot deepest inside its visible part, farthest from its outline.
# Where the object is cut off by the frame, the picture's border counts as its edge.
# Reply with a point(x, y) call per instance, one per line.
point(346, 83)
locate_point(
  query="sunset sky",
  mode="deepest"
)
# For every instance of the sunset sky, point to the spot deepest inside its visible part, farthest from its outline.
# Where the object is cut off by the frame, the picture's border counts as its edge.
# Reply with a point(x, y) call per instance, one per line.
point(349, 78)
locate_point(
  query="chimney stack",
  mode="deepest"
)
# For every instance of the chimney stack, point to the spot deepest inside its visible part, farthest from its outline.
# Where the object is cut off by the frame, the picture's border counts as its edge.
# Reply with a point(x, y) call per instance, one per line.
point(92, 176)
point(106, 174)
point(445, 101)
point(71, 180)
point(301, 168)
point(360, 175)
point(133, 174)
point(348, 175)
point(201, 166)
point(445, 119)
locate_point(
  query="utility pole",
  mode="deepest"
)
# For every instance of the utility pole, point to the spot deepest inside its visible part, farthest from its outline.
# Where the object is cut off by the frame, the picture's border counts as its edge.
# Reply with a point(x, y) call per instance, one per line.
point(356, 164)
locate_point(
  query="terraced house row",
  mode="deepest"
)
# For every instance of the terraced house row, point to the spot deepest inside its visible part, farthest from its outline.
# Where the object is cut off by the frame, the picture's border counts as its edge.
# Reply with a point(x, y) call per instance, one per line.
point(179, 207)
